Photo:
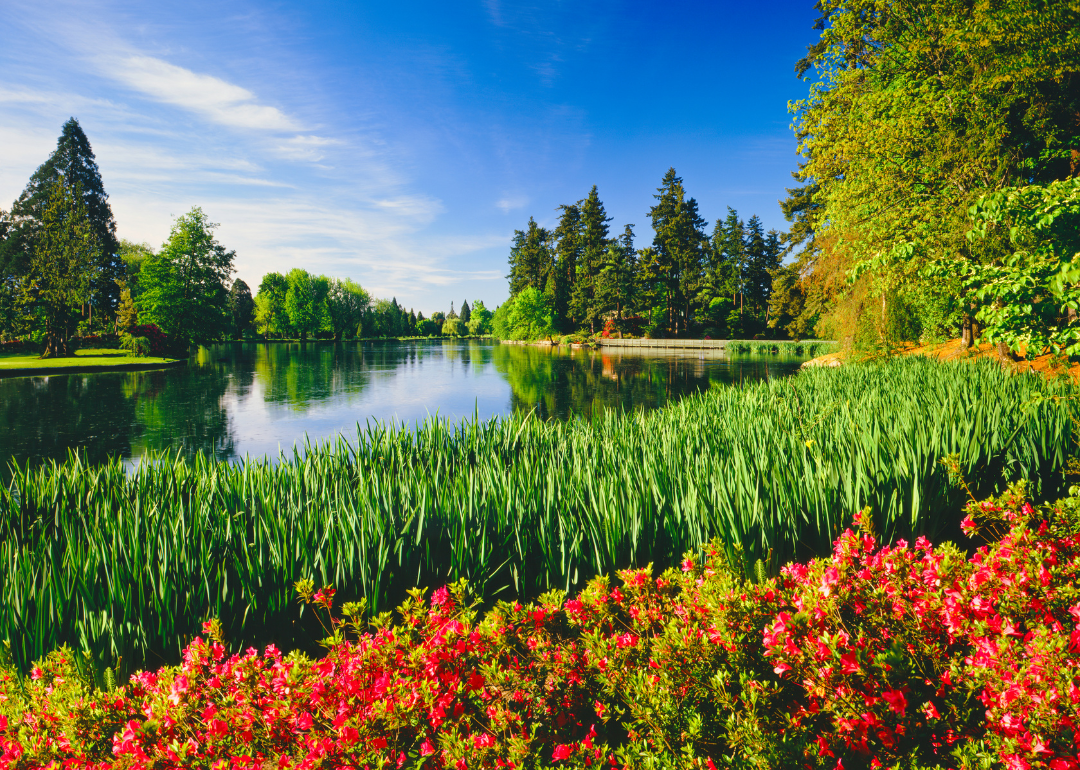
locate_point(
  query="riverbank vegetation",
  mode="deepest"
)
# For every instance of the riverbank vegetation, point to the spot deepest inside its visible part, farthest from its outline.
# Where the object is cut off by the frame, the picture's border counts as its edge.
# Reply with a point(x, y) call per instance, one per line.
point(127, 563)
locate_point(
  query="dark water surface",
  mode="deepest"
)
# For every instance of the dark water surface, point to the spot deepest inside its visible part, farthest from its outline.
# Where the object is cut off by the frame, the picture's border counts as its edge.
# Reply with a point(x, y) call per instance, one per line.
point(252, 399)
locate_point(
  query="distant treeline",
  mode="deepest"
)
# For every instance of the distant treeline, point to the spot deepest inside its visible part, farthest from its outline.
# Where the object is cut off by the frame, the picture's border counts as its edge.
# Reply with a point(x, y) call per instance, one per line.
point(299, 304)
point(578, 277)
point(64, 273)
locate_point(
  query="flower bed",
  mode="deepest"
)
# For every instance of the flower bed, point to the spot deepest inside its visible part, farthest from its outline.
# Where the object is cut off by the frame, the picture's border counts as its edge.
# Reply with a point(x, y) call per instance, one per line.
point(902, 655)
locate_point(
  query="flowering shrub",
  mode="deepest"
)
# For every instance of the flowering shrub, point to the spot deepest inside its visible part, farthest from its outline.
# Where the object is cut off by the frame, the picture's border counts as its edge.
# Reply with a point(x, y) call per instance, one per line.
point(900, 655)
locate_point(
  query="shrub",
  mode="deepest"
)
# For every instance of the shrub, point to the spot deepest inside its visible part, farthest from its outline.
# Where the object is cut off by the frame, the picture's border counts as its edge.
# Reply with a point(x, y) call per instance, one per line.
point(145, 340)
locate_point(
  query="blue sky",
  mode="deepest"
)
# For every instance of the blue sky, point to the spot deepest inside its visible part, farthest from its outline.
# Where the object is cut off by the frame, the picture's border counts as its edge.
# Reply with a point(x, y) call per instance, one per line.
point(401, 144)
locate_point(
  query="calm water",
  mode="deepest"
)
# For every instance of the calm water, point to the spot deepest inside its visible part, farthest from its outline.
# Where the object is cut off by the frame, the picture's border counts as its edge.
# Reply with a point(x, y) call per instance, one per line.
point(250, 399)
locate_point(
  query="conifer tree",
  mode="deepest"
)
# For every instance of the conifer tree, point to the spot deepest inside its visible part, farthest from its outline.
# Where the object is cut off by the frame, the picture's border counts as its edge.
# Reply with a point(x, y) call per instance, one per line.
point(678, 249)
point(62, 266)
point(74, 161)
point(530, 258)
point(594, 243)
point(465, 312)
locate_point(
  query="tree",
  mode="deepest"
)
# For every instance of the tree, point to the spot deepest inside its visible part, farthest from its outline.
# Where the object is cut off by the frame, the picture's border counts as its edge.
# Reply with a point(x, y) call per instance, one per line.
point(453, 327)
point(918, 110)
point(62, 265)
point(241, 308)
point(465, 312)
point(479, 319)
point(305, 301)
point(615, 281)
point(593, 243)
point(346, 302)
point(530, 258)
point(183, 285)
point(530, 318)
point(678, 249)
point(270, 301)
point(74, 161)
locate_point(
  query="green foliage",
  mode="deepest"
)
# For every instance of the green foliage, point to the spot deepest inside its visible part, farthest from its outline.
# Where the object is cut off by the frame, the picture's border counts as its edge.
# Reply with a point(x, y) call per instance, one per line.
point(919, 110)
point(305, 301)
point(62, 265)
point(73, 162)
point(346, 302)
point(131, 560)
point(270, 314)
point(453, 328)
point(241, 309)
point(479, 319)
point(184, 285)
point(529, 317)
point(1029, 298)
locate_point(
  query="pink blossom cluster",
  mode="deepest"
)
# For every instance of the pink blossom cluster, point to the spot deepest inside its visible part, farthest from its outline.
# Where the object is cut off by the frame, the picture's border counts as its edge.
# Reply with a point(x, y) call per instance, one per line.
point(876, 656)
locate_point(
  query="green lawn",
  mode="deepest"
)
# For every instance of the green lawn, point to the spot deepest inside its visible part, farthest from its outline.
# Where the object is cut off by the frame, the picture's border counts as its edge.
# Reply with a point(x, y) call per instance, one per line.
point(88, 357)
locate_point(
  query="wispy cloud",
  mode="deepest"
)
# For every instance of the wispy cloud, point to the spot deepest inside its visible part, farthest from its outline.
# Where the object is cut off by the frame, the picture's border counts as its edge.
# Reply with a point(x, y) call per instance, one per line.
point(215, 99)
point(509, 203)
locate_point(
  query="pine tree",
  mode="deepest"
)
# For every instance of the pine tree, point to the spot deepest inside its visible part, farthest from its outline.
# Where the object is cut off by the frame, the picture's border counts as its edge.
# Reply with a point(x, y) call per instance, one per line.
point(61, 268)
point(594, 243)
point(465, 313)
point(73, 160)
point(678, 249)
point(530, 258)
point(562, 288)
point(241, 308)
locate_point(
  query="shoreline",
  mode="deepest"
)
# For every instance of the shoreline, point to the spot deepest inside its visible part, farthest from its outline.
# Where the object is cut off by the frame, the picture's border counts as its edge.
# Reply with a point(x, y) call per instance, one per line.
point(48, 371)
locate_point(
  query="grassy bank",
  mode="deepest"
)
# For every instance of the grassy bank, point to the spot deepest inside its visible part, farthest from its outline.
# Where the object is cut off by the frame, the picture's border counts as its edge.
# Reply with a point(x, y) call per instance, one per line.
point(126, 563)
point(92, 357)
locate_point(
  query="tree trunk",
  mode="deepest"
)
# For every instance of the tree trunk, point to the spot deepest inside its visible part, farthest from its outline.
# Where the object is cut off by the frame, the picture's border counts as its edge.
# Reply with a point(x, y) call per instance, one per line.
point(967, 336)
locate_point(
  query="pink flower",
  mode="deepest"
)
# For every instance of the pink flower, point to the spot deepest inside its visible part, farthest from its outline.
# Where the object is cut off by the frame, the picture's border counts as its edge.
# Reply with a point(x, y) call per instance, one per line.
point(440, 597)
point(426, 748)
point(688, 566)
point(562, 751)
point(36, 673)
point(968, 525)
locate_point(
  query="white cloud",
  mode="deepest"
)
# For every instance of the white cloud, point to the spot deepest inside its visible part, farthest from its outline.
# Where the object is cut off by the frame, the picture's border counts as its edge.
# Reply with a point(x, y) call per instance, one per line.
point(510, 203)
point(308, 148)
point(220, 101)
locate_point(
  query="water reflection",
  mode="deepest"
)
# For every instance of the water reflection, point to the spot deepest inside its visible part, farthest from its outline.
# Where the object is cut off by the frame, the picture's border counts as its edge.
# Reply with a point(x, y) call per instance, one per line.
point(561, 382)
point(256, 399)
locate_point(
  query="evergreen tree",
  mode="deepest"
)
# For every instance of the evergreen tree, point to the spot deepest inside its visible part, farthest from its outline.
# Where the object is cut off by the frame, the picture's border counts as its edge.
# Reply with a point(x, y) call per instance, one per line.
point(530, 258)
point(594, 243)
point(241, 308)
point(465, 312)
point(678, 249)
point(74, 161)
point(562, 283)
point(62, 265)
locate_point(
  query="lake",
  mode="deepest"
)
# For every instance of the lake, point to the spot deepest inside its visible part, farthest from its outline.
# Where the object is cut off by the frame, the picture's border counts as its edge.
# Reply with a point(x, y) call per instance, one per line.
point(253, 399)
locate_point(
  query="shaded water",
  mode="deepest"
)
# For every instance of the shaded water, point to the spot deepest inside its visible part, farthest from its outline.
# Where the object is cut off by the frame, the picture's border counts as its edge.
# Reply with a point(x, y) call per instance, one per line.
point(252, 399)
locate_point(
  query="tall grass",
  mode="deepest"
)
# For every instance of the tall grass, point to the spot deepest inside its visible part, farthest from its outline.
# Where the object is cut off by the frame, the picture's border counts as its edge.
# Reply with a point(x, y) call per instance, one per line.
point(127, 563)
point(785, 347)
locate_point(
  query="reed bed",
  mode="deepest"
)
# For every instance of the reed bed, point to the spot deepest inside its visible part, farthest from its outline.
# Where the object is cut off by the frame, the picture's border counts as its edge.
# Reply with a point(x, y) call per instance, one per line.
point(126, 563)
point(784, 347)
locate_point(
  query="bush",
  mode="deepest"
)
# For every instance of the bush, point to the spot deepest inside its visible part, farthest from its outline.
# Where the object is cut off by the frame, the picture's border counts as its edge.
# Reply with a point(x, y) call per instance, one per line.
point(902, 656)
point(145, 340)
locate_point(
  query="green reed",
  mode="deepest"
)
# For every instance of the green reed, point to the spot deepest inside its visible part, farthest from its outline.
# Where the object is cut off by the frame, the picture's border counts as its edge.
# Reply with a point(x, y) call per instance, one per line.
point(786, 347)
point(127, 563)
